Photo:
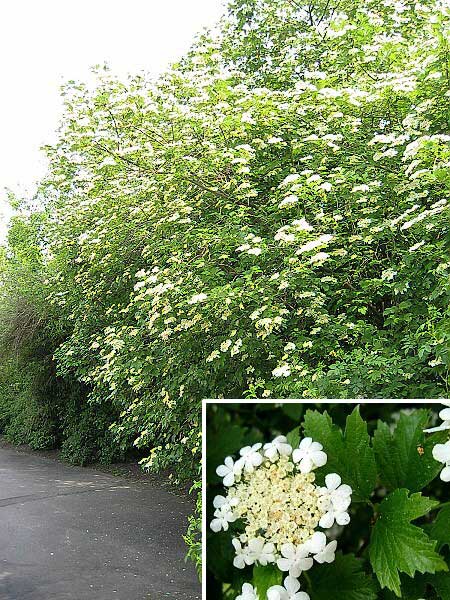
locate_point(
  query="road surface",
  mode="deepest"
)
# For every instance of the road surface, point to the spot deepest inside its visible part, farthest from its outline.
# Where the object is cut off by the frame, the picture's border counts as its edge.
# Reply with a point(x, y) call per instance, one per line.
point(74, 533)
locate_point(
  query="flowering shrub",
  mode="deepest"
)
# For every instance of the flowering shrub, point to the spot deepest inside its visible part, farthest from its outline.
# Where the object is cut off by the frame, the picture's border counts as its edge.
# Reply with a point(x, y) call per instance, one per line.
point(268, 218)
point(285, 525)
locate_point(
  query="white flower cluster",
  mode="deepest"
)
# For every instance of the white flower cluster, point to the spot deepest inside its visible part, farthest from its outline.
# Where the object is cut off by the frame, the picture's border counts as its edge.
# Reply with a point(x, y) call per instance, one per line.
point(271, 490)
point(441, 452)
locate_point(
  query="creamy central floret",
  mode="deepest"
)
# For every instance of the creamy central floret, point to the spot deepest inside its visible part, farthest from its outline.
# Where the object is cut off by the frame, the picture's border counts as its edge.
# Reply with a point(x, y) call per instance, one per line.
point(278, 503)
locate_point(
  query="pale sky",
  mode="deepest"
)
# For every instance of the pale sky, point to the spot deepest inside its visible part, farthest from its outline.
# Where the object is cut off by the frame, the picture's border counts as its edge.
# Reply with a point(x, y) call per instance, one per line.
point(46, 42)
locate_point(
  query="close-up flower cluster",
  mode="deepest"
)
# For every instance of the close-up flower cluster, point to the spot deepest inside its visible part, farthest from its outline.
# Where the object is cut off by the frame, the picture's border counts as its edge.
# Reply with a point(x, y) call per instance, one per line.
point(272, 492)
point(345, 501)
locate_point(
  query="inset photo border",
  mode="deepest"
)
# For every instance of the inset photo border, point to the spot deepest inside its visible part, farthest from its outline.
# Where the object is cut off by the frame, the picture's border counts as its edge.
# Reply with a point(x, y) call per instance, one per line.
point(318, 499)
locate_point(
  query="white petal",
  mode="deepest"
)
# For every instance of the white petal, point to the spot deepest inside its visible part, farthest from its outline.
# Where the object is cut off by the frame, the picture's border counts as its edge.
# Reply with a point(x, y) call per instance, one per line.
point(306, 465)
point(256, 459)
point(317, 542)
point(285, 449)
point(219, 501)
point(256, 447)
point(222, 471)
point(245, 450)
point(319, 458)
point(229, 462)
point(315, 447)
point(288, 550)
point(340, 503)
point(238, 466)
point(216, 525)
point(441, 452)
point(445, 474)
point(297, 455)
point(333, 481)
point(237, 544)
point(280, 439)
point(256, 545)
point(276, 592)
point(228, 480)
point(445, 414)
point(271, 452)
point(295, 570)
point(327, 520)
point(305, 443)
point(284, 564)
point(304, 564)
point(345, 490)
point(249, 560)
point(292, 585)
point(239, 561)
point(442, 427)
point(342, 518)
point(330, 551)
point(301, 596)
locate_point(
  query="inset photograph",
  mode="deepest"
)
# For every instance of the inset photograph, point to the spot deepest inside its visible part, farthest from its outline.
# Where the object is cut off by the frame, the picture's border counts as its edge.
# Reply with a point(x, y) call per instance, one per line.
point(313, 501)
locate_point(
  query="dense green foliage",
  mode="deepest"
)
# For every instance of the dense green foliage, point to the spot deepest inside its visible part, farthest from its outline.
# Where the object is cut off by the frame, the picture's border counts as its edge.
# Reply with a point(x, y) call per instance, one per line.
point(398, 539)
point(267, 218)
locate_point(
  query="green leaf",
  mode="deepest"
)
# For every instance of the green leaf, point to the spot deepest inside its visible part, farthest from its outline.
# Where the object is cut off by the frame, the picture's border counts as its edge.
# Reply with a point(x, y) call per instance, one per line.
point(265, 577)
point(404, 456)
point(349, 453)
point(398, 546)
point(293, 437)
point(343, 579)
point(440, 530)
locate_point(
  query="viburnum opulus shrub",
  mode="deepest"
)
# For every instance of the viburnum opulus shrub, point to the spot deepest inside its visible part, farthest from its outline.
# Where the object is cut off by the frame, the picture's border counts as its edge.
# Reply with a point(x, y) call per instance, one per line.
point(353, 503)
point(268, 218)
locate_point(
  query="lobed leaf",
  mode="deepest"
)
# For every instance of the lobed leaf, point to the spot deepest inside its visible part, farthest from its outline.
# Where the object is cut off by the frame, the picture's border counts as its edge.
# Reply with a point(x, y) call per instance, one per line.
point(349, 453)
point(397, 546)
point(404, 455)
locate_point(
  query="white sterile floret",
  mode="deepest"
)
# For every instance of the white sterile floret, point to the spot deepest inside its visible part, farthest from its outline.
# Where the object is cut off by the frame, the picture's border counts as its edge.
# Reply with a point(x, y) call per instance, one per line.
point(230, 471)
point(309, 455)
point(260, 551)
point(326, 555)
point(248, 593)
point(250, 457)
point(338, 499)
point(242, 558)
point(278, 447)
point(295, 559)
point(318, 547)
point(441, 453)
point(316, 543)
point(223, 514)
point(290, 591)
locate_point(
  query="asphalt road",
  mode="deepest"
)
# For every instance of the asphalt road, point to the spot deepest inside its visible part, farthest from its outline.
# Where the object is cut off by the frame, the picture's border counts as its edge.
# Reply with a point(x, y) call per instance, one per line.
point(73, 533)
